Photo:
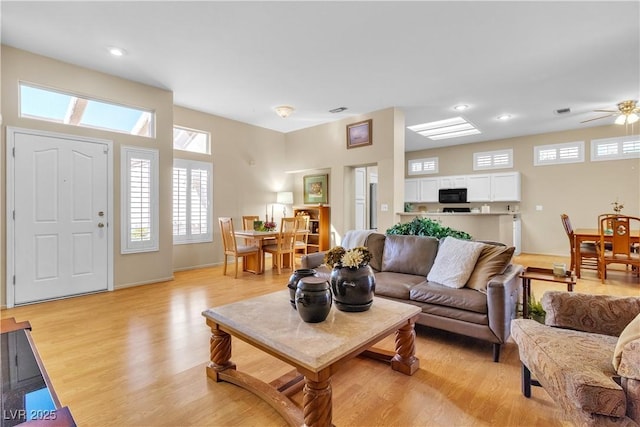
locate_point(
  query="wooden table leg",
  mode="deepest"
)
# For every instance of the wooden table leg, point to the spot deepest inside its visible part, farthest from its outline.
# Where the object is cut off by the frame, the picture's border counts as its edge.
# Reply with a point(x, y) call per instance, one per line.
point(219, 352)
point(316, 403)
point(405, 361)
point(526, 294)
point(576, 256)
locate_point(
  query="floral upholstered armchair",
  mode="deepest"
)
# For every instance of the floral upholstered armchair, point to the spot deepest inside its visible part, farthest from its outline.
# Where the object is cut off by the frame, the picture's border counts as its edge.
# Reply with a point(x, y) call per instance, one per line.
point(586, 356)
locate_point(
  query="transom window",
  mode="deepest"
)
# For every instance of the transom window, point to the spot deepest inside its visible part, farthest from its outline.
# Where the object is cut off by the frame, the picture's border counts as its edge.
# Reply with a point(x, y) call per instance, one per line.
point(552, 154)
point(423, 166)
point(192, 140)
point(624, 147)
point(500, 159)
point(69, 109)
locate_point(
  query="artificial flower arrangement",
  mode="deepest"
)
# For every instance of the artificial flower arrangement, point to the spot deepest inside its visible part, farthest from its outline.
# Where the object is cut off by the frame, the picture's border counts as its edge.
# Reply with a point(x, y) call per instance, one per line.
point(269, 226)
point(352, 258)
point(617, 207)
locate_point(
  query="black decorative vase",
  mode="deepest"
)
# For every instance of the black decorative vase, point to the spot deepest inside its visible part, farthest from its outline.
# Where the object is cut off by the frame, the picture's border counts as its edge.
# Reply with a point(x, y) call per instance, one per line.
point(353, 288)
point(313, 299)
point(293, 282)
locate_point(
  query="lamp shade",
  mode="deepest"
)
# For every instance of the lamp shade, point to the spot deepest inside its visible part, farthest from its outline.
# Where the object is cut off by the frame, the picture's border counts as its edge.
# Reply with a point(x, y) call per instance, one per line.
point(284, 197)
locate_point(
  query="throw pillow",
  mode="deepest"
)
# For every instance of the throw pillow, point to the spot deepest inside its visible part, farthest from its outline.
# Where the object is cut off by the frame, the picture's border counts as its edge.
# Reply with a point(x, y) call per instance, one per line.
point(493, 260)
point(454, 262)
point(630, 333)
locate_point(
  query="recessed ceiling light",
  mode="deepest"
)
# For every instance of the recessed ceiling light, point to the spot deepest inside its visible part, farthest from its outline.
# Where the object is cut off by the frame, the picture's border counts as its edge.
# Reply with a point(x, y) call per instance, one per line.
point(504, 117)
point(461, 107)
point(116, 51)
point(443, 129)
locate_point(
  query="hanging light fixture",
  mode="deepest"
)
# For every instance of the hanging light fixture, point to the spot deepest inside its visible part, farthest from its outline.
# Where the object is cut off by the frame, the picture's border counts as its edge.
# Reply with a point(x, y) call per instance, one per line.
point(628, 113)
point(284, 111)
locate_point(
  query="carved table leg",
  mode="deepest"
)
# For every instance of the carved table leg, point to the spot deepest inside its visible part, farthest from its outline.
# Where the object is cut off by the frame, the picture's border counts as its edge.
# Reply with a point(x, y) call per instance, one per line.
point(220, 353)
point(405, 361)
point(317, 403)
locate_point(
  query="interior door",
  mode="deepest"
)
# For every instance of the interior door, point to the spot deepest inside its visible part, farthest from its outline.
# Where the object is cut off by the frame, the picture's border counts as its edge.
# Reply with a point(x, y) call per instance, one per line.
point(360, 192)
point(60, 199)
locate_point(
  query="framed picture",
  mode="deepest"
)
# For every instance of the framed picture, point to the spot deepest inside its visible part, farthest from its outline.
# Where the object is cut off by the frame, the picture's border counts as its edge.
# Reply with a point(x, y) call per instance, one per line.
point(360, 134)
point(316, 189)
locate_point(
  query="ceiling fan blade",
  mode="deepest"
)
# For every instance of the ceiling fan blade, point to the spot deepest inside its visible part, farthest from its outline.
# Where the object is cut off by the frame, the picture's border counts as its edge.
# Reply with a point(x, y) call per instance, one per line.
point(596, 118)
point(606, 111)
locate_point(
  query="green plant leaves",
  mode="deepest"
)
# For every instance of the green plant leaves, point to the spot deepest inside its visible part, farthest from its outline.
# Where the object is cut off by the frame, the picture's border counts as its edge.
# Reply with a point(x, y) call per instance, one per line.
point(427, 227)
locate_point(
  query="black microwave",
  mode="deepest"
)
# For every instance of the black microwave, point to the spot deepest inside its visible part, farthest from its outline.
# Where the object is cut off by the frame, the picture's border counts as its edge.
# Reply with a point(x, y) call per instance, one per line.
point(452, 195)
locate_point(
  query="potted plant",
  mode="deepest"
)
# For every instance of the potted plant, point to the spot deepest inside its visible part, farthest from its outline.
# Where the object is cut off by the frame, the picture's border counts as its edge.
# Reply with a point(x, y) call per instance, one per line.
point(536, 312)
point(427, 227)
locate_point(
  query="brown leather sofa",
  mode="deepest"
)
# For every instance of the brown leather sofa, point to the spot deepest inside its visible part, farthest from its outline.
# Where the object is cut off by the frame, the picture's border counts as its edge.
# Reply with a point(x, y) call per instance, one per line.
point(401, 265)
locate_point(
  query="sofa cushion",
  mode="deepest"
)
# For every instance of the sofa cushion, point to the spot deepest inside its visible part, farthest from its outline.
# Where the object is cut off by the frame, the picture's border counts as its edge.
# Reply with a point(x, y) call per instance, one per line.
point(454, 262)
point(375, 244)
point(396, 285)
point(464, 298)
point(493, 260)
point(409, 254)
point(574, 367)
point(630, 333)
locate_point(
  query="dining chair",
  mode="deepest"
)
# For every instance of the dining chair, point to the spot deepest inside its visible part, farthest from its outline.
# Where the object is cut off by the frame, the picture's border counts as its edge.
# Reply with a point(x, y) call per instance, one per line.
point(230, 245)
point(621, 251)
point(588, 254)
point(247, 221)
point(303, 233)
point(285, 244)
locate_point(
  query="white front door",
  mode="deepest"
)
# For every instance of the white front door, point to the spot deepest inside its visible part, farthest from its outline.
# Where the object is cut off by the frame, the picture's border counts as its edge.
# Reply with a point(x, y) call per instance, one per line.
point(60, 229)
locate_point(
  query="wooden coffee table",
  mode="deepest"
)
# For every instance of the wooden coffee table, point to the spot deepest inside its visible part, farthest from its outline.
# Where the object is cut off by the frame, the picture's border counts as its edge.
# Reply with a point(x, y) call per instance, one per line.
point(316, 350)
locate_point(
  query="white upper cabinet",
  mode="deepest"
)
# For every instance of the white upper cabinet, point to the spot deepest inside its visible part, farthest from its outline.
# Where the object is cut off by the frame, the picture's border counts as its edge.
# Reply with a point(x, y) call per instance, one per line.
point(505, 187)
point(479, 188)
point(456, 181)
point(429, 190)
point(411, 190)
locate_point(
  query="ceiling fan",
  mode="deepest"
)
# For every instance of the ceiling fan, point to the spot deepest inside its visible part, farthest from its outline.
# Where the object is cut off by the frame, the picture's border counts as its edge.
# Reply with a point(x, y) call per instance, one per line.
point(627, 110)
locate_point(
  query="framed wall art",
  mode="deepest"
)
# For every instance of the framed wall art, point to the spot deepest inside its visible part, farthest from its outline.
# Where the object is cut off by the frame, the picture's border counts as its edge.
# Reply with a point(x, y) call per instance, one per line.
point(360, 134)
point(316, 189)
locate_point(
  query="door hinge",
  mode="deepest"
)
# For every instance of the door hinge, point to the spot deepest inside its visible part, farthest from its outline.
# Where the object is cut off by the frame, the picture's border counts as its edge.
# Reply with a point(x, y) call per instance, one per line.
point(14, 280)
point(105, 150)
point(13, 151)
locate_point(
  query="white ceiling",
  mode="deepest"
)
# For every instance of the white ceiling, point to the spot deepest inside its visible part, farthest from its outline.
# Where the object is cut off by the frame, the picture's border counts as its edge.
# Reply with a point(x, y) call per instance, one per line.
point(241, 59)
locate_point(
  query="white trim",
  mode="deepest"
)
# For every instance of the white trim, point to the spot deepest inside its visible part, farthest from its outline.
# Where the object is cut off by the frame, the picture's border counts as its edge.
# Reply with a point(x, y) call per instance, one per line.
point(10, 201)
point(153, 244)
point(558, 153)
point(617, 147)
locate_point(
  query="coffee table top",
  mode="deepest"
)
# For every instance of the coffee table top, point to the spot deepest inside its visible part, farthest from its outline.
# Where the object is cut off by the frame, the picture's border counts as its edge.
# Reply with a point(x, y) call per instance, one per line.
point(270, 323)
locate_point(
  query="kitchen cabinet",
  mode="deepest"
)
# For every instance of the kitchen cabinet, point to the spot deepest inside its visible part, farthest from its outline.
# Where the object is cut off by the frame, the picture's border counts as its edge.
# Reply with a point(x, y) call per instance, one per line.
point(505, 187)
point(429, 190)
point(411, 190)
point(455, 181)
point(479, 188)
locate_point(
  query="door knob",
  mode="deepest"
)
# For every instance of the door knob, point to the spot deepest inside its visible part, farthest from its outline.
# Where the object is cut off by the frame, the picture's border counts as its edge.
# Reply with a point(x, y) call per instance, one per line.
point(100, 225)
point(100, 213)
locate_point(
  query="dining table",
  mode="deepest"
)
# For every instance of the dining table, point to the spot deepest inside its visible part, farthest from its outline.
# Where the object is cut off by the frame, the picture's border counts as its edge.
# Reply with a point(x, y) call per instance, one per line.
point(260, 239)
point(581, 235)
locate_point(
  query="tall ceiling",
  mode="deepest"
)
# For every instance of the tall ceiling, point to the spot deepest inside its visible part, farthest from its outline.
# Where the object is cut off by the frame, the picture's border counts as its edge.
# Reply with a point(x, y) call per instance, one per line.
point(239, 60)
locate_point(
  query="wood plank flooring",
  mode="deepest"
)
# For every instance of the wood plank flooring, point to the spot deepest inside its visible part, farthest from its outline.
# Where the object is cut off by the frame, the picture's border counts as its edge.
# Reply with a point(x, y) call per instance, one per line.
point(136, 357)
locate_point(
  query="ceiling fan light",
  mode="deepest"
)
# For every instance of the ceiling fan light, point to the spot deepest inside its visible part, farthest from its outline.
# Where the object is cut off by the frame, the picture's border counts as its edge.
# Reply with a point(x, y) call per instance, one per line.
point(621, 119)
point(284, 111)
point(632, 118)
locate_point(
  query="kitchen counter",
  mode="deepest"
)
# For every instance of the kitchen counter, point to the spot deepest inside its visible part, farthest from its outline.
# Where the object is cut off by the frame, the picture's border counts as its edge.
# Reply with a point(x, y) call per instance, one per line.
point(456, 213)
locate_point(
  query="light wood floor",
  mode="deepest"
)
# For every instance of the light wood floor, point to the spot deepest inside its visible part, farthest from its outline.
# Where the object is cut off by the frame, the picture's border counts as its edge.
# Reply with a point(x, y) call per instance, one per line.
point(136, 357)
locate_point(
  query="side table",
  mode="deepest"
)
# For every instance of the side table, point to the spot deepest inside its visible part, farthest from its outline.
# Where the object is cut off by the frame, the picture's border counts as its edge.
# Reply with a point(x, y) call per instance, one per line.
point(545, 275)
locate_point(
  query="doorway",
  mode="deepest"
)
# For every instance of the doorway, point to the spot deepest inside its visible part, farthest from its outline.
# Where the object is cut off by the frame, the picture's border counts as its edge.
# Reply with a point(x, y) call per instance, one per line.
point(366, 198)
point(59, 212)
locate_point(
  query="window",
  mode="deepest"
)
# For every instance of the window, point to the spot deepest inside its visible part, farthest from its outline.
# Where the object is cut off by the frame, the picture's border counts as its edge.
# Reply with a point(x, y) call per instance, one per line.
point(191, 140)
point(192, 184)
point(53, 106)
point(500, 159)
point(423, 166)
point(139, 177)
point(624, 147)
point(569, 152)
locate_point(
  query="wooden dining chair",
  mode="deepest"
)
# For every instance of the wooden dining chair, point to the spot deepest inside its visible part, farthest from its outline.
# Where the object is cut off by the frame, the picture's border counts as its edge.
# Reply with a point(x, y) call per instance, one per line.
point(303, 233)
point(247, 221)
point(284, 245)
point(588, 254)
point(231, 247)
point(621, 251)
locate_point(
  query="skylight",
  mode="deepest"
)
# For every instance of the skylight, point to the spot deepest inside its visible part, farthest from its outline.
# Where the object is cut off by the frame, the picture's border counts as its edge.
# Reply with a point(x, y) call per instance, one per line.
point(443, 129)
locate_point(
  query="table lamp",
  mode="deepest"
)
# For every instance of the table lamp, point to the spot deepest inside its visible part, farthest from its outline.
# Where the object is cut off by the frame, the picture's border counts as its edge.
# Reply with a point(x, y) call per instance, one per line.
point(284, 198)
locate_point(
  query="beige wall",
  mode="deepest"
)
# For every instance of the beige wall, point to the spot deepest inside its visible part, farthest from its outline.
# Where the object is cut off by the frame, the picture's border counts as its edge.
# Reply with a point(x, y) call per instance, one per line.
point(581, 190)
point(19, 66)
point(248, 170)
point(322, 149)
